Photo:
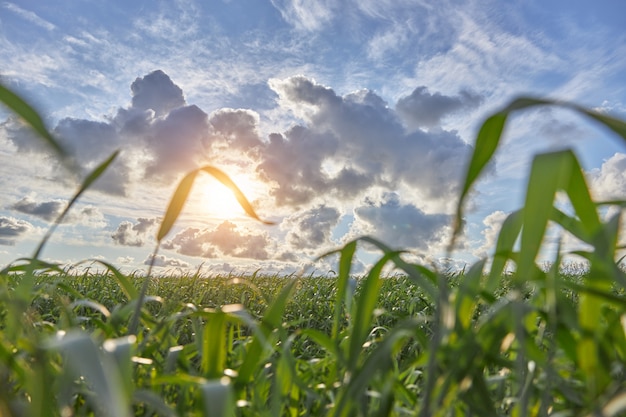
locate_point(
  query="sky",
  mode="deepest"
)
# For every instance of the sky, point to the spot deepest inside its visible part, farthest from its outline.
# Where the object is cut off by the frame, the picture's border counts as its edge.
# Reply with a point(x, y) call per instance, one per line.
point(337, 119)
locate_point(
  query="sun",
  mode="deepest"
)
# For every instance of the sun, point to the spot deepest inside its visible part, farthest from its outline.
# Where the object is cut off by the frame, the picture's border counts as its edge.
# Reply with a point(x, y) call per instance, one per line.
point(219, 201)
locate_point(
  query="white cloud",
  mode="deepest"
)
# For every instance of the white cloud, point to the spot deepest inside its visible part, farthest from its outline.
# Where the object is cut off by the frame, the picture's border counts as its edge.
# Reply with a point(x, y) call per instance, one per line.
point(493, 224)
point(163, 261)
point(360, 133)
point(30, 16)
point(609, 181)
point(134, 234)
point(306, 15)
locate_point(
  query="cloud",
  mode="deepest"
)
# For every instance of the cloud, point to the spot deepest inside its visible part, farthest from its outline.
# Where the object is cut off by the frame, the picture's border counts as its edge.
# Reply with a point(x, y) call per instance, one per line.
point(125, 260)
point(362, 136)
point(493, 224)
point(345, 146)
point(423, 109)
point(312, 228)
point(164, 261)
point(609, 181)
point(47, 210)
point(159, 137)
point(306, 16)
point(51, 210)
point(402, 225)
point(235, 128)
point(156, 92)
point(30, 16)
point(225, 239)
point(133, 234)
point(11, 229)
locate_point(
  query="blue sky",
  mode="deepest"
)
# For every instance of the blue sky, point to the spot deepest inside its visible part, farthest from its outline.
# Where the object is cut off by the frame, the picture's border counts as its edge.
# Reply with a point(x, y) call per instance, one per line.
point(337, 118)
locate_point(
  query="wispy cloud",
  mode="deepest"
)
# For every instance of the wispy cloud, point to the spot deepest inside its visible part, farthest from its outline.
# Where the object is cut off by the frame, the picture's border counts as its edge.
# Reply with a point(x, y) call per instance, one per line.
point(28, 15)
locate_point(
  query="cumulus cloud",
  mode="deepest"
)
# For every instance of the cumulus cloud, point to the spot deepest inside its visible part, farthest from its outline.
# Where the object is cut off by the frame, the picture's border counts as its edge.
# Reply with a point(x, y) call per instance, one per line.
point(361, 134)
point(402, 224)
point(311, 229)
point(159, 135)
point(609, 181)
point(133, 234)
point(156, 92)
point(341, 148)
point(125, 260)
point(12, 229)
point(225, 239)
point(423, 109)
point(164, 261)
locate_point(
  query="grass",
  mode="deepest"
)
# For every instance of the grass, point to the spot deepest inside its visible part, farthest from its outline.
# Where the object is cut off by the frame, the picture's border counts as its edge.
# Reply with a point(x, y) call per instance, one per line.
point(541, 341)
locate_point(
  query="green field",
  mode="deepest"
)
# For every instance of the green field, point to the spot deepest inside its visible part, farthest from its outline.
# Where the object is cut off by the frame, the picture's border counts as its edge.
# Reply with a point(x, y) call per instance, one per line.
point(486, 342)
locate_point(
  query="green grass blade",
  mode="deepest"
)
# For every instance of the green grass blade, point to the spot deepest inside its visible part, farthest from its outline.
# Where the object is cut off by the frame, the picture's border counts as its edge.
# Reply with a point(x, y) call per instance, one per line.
point(469, 289)
point(176, 204)
point(508, 235)
point(365, 304)
point(616, 125)
point(30, 115)
point(84, 359)
point(218, 398)
point(488, 140)
point(345, 264)
point(421, 276)
point(214, 346)
point(486, 143)
point(549, 173)
point(272, 320)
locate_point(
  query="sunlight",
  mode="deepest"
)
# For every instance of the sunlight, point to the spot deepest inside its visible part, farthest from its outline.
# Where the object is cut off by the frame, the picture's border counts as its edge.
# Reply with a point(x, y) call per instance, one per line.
point(219, 201)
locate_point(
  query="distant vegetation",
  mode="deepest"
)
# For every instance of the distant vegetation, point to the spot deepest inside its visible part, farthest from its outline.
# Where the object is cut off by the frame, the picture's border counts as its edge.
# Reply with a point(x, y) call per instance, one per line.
point(420, 343)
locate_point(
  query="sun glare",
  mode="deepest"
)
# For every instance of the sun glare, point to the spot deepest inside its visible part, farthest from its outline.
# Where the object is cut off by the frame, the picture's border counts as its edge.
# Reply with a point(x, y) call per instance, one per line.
point(219, 201)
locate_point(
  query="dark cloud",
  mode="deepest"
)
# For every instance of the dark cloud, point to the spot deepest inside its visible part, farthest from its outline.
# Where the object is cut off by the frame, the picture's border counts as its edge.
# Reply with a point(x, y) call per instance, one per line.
point(21, 136)
point(311, 229)
point(402, 225)
point(51, 210)
point(294, 163)
point(12, 229)
point(177, 142)
point(133, 234)
point(235, 128)
point(163, 261)
point(156, 92)
point(423, 109)
point(47, 210)
point(226, 238)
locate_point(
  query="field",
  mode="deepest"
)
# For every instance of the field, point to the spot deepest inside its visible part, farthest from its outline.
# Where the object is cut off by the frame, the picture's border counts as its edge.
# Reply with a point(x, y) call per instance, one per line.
point(485, 342)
